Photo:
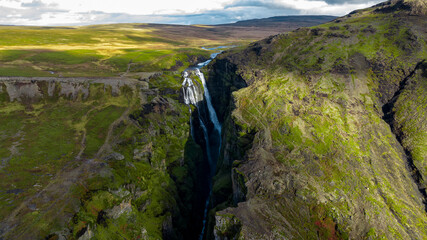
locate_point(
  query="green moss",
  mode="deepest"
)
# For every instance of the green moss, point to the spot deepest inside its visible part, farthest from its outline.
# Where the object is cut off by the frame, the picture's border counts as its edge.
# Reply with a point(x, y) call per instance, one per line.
point(12, 55)
point(97, 125)
point(409, 117)
point(15, 71)
point(229, 227)
point(66, 57)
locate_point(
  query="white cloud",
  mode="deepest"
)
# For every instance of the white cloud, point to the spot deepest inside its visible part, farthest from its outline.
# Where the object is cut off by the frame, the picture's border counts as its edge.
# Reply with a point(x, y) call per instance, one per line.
point(10, 3)
point(337, 10)
point(138, 7)
point(281, 4)
point(332, 7)
point(80, 12)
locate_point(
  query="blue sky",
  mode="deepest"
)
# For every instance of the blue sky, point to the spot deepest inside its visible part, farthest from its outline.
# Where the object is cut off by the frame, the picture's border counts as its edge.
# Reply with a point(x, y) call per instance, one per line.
point(84, 12)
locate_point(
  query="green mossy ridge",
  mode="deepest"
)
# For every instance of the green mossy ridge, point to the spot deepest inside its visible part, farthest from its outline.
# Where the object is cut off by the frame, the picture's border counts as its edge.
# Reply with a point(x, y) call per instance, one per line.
point(410, 117)
point(324, 129)
point(228, 226)
point(161, 186)
point(51, 133)
point(320, 48)
point(148, 211)
point(314, 101)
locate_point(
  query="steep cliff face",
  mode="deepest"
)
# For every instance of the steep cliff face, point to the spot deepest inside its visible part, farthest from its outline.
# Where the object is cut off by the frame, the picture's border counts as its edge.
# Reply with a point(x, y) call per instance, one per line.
point(328, 139)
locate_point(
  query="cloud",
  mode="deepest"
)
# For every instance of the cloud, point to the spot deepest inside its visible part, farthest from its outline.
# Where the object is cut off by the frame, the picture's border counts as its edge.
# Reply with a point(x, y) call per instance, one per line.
point(341, 2)
point(333, 7)
point(83, 12)
point(276, 4)
point(228, 15)
point(33, 4)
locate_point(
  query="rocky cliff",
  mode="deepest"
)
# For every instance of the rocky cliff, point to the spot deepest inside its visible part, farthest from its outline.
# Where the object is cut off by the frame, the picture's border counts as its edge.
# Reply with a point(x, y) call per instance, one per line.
point(326, 130)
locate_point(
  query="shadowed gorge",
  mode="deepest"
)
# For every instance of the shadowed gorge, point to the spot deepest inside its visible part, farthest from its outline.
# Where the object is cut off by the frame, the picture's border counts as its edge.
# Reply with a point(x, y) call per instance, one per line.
point(389, 117)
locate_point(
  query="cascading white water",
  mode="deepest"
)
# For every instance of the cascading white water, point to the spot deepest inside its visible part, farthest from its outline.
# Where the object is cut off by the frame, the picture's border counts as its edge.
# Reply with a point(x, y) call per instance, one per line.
point(212, 112)
point(190, 90)
point(191, 96)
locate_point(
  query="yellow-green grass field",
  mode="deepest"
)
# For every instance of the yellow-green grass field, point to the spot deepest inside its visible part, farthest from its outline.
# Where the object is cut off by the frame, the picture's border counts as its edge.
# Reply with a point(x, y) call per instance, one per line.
point(104, 50)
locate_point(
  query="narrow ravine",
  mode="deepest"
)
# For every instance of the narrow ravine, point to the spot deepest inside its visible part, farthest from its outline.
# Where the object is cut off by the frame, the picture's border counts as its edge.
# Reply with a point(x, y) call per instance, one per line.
point(207, 119)
point(389, 116)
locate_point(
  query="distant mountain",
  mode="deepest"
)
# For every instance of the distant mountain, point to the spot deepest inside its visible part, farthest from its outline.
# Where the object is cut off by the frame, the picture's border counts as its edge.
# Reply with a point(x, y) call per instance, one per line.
point(301, 21)
point(254, 29)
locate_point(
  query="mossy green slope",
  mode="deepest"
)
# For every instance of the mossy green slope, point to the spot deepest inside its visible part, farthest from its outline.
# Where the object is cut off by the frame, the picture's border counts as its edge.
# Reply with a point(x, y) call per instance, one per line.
point(43, 131)
point(107, 158)
point(322, 162)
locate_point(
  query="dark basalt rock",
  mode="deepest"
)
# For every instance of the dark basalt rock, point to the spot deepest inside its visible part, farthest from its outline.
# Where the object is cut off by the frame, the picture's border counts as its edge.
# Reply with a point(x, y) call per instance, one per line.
point(157, 105)
point(369, 29)
point(410, 7)
point(337, 35)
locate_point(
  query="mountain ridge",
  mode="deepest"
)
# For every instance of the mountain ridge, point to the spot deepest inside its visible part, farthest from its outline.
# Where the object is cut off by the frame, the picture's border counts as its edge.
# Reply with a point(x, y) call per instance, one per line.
point(302, 19)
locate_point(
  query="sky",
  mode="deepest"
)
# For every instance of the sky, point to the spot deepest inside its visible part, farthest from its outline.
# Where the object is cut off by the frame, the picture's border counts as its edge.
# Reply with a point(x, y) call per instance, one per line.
point(86, 12)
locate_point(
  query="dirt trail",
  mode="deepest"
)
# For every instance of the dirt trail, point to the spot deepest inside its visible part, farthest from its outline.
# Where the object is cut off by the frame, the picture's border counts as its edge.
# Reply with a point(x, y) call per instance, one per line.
point(82, 146)
point(106, 147)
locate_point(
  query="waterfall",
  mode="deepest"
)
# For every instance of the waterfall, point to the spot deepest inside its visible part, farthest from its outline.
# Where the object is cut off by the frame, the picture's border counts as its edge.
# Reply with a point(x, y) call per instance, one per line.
point(190, 90)
point(192, 96)
point(206, 135)
point(212, 112)
point(191, 124)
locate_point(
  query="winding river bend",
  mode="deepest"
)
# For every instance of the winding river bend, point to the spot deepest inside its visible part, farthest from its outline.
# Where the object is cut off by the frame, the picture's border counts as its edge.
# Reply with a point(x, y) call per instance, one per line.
point(199, 96)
